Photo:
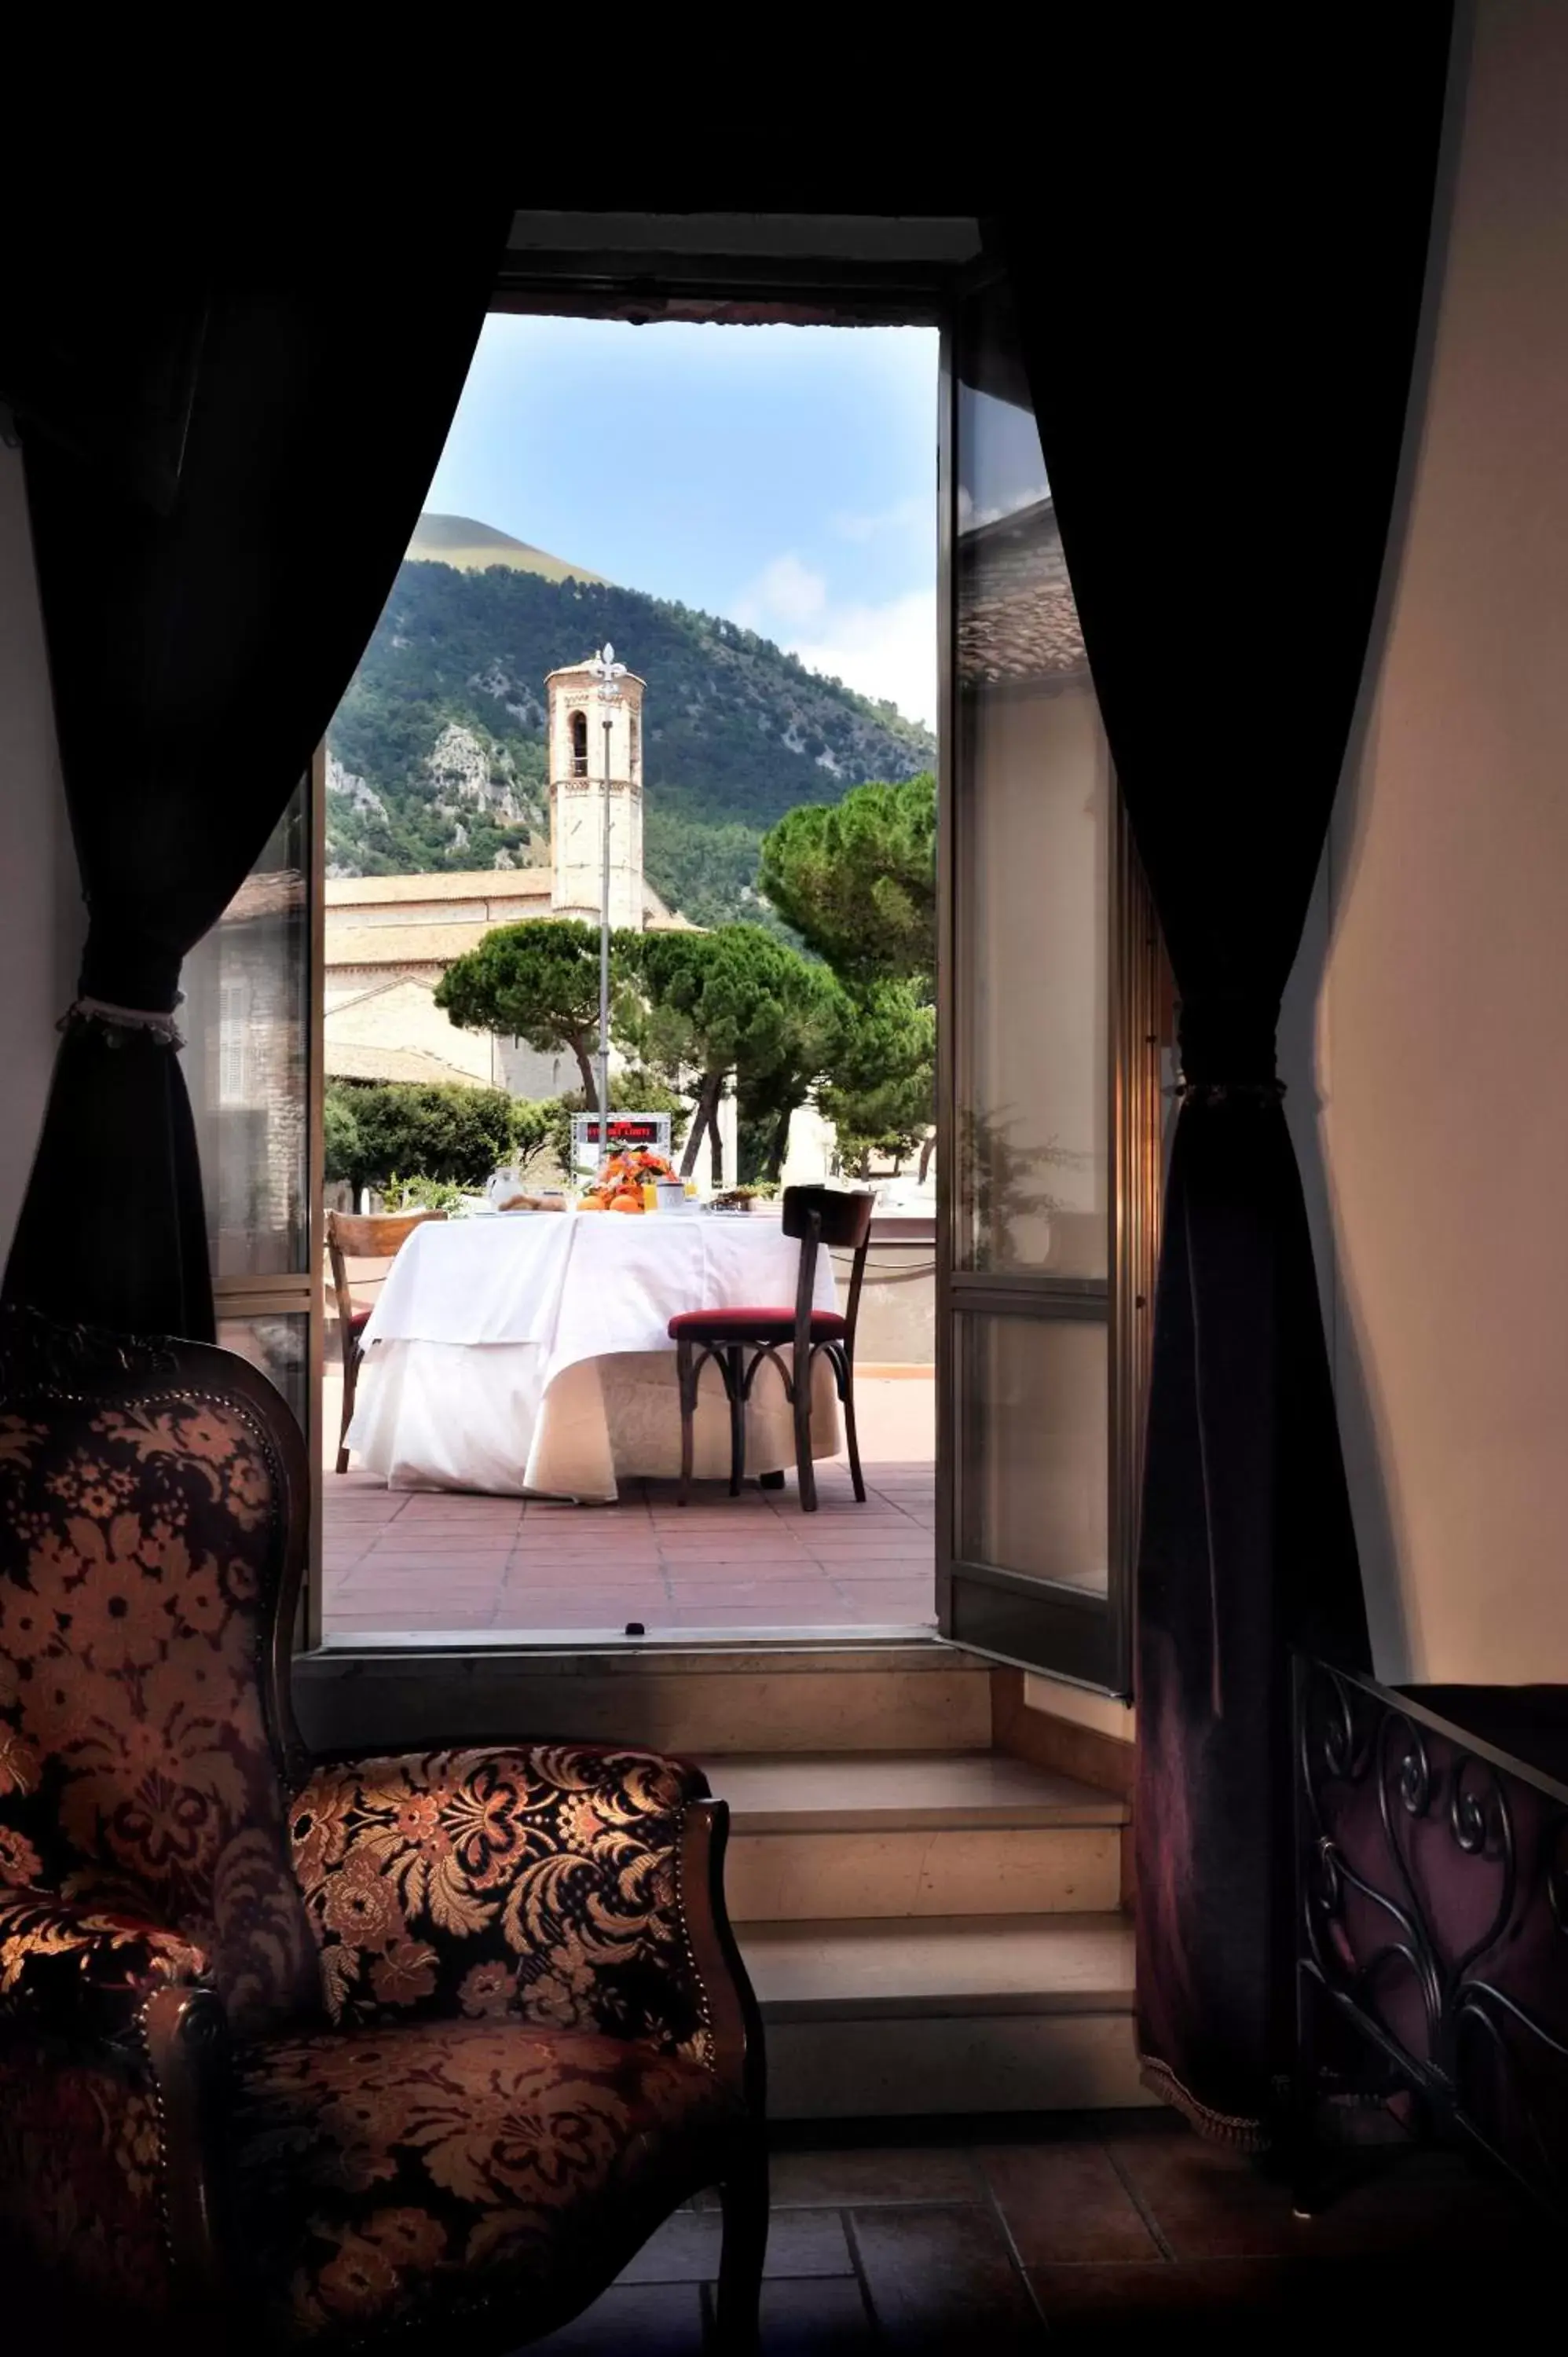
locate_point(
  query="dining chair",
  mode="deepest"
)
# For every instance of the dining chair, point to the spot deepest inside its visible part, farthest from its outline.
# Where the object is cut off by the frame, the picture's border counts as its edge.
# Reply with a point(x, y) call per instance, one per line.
point(361, 1236)
point(739, 1342)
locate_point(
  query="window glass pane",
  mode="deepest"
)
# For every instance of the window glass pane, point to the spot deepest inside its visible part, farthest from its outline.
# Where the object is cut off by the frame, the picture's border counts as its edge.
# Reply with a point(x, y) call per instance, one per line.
point(1033, 1481)
point(280, 1346)
point(1033, 812)
point(247, 1060)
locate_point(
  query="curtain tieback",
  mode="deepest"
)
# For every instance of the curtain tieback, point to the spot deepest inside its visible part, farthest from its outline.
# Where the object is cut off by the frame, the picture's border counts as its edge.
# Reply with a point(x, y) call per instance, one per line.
point(112, 1020)
point(1215, 1093)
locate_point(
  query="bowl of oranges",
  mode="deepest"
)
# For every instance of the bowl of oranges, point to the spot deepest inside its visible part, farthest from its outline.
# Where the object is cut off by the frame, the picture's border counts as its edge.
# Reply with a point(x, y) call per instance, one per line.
point(628, 1182)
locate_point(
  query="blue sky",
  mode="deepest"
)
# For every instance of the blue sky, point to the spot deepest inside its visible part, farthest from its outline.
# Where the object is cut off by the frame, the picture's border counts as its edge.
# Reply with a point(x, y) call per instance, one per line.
point(782, 477)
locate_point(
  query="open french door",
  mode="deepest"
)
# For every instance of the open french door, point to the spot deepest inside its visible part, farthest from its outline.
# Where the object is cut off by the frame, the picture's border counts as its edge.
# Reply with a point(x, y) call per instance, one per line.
point(252, 1026)
point(1051, 1032)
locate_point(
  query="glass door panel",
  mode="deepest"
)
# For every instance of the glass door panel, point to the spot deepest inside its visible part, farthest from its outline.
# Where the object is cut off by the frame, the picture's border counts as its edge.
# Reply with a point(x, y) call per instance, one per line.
point(249, 993)
point(1033, 832)
point(247, 1058)
point(1034, 1491)
point(278, 1343)
point(1050, 1075)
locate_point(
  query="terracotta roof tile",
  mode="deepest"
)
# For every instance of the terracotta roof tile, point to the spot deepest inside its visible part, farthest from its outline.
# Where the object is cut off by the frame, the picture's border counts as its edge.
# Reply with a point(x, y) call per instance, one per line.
point(352, 1060)
point(1017, 620)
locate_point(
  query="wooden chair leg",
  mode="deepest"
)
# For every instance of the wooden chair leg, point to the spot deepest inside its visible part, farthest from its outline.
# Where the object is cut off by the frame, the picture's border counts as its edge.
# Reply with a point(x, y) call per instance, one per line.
point(350, 1376)
point(743, 2199)
point(736, 1362)
point(684, 1355)
point(805, 1471)
point(851, 1436)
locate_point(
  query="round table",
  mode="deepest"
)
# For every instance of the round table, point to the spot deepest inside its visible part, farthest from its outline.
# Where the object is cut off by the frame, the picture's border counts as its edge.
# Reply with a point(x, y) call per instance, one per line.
point(530, 1353)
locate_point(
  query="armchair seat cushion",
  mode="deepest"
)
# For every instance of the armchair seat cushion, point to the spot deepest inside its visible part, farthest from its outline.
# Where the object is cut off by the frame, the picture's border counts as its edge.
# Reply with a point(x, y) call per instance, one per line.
point(388, 2174)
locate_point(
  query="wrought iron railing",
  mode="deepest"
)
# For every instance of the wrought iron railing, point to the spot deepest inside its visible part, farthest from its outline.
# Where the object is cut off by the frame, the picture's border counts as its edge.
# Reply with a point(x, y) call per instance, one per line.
point(1433, 1922)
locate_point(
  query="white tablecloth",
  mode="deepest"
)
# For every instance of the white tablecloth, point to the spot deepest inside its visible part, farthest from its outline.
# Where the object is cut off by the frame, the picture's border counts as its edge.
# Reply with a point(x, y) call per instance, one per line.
point(531, 1352)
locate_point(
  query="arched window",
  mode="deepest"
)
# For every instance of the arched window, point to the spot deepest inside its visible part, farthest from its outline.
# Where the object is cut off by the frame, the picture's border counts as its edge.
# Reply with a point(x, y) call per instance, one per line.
point(579, 726)
point(636, 745)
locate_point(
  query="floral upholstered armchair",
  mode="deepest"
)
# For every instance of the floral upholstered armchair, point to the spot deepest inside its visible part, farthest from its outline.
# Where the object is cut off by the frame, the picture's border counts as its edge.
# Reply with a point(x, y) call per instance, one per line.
point(328, 2054)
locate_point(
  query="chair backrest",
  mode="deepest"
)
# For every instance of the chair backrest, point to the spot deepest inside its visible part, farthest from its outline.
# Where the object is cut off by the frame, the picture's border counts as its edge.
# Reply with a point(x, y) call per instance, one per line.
point(840, 1220)
point(154, 1514)
point(843, 1217)
point(366, 1236)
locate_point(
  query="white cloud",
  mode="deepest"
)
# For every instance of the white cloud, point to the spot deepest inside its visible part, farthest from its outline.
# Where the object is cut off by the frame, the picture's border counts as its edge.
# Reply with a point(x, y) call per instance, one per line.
point(905, 516)
point(882, 651)
point(1026, 495)
point(786, 595)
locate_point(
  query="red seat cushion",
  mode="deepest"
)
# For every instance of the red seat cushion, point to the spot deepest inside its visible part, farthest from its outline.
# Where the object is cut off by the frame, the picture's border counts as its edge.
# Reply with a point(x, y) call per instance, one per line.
point(734, 1325)
point(357, 1320)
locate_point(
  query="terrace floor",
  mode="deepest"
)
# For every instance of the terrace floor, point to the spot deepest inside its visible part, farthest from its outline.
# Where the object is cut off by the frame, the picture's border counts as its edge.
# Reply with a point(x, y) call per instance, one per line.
point(422, 1561)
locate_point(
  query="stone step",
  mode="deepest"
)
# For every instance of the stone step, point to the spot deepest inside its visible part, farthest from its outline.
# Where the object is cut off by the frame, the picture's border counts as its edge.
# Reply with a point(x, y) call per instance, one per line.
point(708, 1701)
point(1002, 2013)
point(914, 1833)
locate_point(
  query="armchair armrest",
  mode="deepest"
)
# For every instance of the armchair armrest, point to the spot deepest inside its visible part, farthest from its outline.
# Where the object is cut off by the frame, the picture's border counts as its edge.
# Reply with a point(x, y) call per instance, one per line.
point(74, 1969)
point(540, 1880)
point(109, 2075)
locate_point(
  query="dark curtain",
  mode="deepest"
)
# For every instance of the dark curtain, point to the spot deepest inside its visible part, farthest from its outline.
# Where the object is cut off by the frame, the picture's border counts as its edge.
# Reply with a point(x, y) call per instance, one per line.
point(228, 429)
point(1218, 272)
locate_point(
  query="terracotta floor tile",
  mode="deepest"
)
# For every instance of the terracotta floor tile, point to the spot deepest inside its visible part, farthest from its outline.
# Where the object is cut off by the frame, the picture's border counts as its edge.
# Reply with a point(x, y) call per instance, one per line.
point(1209, 2203)
point(885, 1606)
point(823, 2318)
point(869, 2176)
point(392, 1623)
point(1280, 2306)
point(730, 1564)
point(894, 1539)
point(649, 2319)
point(779, 1620)
point(944, 2280)
point(430, 1570)
point(787, 1595)
point(588, 1559)
point(553, 1573)
point(421, 1596)
point(686, 2248)
point(1064, 2201)
point(456, 1551)
point(471, 1566)
point(575, 1608)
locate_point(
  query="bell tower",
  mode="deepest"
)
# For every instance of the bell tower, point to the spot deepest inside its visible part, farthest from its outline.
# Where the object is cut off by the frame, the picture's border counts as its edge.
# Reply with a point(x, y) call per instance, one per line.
point(588, 770)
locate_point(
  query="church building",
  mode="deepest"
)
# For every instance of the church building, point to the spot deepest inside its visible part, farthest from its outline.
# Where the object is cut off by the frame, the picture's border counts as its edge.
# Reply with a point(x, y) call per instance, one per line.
point(388, 938)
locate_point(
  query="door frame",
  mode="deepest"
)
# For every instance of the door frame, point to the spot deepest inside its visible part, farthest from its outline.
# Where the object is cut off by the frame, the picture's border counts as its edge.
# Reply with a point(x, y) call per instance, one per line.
point(616, 284)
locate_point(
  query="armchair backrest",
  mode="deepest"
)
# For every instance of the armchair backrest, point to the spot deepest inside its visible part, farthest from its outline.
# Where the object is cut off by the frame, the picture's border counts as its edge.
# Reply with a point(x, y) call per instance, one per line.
point(153, 1520)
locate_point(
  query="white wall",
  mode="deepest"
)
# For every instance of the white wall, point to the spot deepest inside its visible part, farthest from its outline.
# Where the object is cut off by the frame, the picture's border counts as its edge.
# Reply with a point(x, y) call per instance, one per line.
point(1435, 1127)
point(42, 919)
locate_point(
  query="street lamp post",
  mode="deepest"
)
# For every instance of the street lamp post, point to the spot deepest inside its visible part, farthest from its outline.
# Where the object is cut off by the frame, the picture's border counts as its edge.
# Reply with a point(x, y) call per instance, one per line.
point(608, 673)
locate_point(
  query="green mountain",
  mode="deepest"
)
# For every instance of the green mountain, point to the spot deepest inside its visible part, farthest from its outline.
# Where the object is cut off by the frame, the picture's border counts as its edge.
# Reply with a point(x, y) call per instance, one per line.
point(436, 753)
point(475, 547)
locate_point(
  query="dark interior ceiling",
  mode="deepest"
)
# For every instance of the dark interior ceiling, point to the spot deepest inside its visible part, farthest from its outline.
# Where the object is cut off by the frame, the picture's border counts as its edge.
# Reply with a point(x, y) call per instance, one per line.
point(832, 268)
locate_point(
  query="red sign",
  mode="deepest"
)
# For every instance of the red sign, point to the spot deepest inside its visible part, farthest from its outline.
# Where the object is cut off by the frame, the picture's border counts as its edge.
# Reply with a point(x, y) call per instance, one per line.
point(647, 1129)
